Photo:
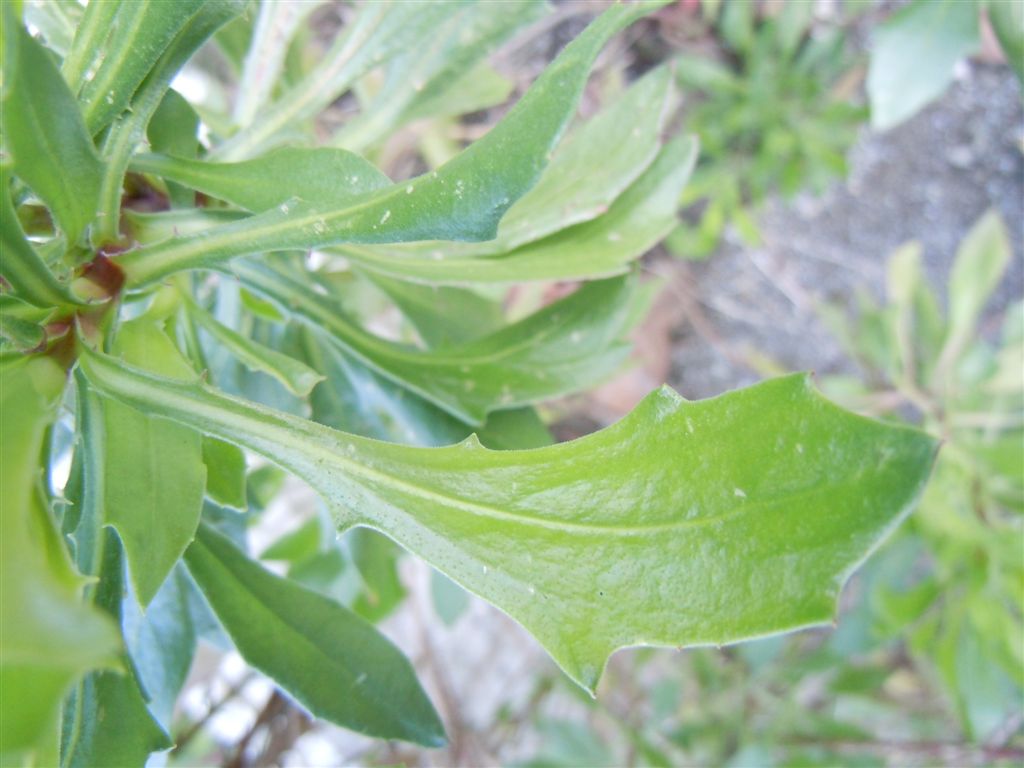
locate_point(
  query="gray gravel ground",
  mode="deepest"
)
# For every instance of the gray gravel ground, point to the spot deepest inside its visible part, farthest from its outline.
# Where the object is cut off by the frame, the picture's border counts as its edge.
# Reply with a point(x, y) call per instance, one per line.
point(929, 179)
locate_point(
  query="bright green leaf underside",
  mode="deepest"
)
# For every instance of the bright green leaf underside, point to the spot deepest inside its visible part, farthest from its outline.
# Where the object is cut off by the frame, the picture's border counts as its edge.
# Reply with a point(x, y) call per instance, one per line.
point(683, 524)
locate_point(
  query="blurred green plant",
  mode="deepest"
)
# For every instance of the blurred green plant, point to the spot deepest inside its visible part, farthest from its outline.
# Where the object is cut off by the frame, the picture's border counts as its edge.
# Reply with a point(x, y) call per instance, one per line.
point(772, 113)
point(914, 52)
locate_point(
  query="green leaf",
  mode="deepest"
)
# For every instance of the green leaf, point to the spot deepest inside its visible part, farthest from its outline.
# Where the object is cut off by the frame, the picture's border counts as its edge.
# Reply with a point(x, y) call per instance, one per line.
point(683, 524)
point(426, 73)
point(43, 130)
point(225, 473)
point(47, 637)
point(276, 24)
point(321, 174)
point(554, 351)
point(463, 200)
point(23, 269)
point(913, 56)
point(137, 36)
point(296, 376)
point(980, 263)
point(634, 223)
point(153, 474)
point(335, 663)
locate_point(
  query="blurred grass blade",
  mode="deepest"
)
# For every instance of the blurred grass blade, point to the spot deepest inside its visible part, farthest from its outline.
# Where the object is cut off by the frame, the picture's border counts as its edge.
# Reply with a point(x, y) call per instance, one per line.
point(380, 31)
point(334, 662)
point(685, 523)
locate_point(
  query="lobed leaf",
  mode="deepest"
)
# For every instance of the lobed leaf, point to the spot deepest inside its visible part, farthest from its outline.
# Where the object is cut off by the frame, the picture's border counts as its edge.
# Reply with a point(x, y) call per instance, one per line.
point(683, 524)
point(153, 473)
point(335, 663)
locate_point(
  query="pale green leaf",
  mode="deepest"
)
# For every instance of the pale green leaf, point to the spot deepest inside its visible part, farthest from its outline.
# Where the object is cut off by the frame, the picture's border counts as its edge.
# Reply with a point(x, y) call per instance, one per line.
point(43, 131)
point(335, 663)
point(153, 472)
point(643, 215)
point(47, 637)
point(913, 55)
point(980, 262)
point(463, 200)
point(449, 599)
point(320, 174)
point(129, 127)
point(683, 524)
point(557, 350)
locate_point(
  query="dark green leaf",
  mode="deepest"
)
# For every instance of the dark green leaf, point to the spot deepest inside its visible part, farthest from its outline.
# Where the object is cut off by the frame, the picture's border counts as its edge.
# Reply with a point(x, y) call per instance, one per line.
point(332, 661)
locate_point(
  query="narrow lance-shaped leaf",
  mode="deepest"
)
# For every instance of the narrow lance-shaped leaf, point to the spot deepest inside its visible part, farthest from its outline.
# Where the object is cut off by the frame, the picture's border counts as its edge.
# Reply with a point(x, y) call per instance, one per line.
point(552, 352)
point(44, 133)
point(334, 662)
point(463, 200)
point(685, 523)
